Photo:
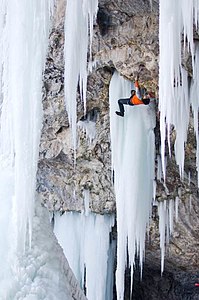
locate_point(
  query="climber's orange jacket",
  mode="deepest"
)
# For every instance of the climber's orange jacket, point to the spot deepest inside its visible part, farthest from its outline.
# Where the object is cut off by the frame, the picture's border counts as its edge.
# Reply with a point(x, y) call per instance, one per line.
point(135, 100)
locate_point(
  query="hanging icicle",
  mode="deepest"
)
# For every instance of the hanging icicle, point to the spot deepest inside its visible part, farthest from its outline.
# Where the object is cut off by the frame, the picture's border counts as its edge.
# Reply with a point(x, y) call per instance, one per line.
point(79, 17)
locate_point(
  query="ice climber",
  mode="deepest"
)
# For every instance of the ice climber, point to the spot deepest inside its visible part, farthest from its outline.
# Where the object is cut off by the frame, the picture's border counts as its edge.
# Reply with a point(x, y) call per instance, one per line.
point(137, 97)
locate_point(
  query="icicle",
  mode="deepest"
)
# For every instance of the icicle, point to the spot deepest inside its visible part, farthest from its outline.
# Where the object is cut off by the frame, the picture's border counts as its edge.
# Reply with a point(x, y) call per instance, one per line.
point(91, 6)
point(167, 223)
point(171, 214)
point(166, 214)
point(86, 194)
point(195, 104)
point(154, 190)
point(24, 39)
point(85, 240)
point(162, 222)
point(190, 203)
point(189, 178)
point(79, 13)
point(132, 146)
point(159, 170)
point(176, 208)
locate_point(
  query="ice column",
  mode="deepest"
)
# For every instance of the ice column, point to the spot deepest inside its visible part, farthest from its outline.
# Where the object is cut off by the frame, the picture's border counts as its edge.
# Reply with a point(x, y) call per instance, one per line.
point(79, 17)
point(132, 144)
point(23, 43)
point(86, 243)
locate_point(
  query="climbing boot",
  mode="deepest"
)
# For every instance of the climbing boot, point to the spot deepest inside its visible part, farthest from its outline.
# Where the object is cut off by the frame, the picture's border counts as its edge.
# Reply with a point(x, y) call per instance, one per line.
point(119, 113)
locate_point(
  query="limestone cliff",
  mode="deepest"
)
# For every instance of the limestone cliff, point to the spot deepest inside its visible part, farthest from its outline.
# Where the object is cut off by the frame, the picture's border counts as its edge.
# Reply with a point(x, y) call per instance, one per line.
point(126, 40)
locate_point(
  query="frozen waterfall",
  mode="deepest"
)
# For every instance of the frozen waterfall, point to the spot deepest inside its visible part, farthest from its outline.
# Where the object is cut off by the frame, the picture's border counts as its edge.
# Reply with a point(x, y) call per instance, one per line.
point(32, 267)
point(176, 22)
point(177, 90)
point(132, 143)
point(29, 261)
point(24, 35)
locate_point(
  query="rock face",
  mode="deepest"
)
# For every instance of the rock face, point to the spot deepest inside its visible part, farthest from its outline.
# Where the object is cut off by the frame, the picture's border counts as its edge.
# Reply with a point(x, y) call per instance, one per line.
point(126, 40)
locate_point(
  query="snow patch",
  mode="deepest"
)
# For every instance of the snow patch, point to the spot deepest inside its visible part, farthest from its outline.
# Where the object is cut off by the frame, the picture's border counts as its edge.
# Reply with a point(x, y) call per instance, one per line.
point(89, 128)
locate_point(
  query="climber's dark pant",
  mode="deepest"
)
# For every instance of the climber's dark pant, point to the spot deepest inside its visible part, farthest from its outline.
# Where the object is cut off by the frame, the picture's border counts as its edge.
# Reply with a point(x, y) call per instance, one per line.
point(123, 102)
point(126, 101)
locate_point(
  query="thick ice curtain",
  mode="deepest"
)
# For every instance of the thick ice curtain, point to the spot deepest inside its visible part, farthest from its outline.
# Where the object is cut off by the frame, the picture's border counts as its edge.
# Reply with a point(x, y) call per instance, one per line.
point(132, 144)
point(86, 244)
point(24, 29)
point(177, 19)
point(176, 92)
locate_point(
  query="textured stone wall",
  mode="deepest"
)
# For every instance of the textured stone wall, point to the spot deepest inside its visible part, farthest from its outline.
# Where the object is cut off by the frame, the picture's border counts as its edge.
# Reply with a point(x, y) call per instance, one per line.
point(125, 39)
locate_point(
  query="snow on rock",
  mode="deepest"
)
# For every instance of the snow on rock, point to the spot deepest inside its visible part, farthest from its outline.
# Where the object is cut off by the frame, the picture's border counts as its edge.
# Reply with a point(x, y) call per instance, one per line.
point(132, 144)
point(85, 240)
point(42, 272)
point(89, 128)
